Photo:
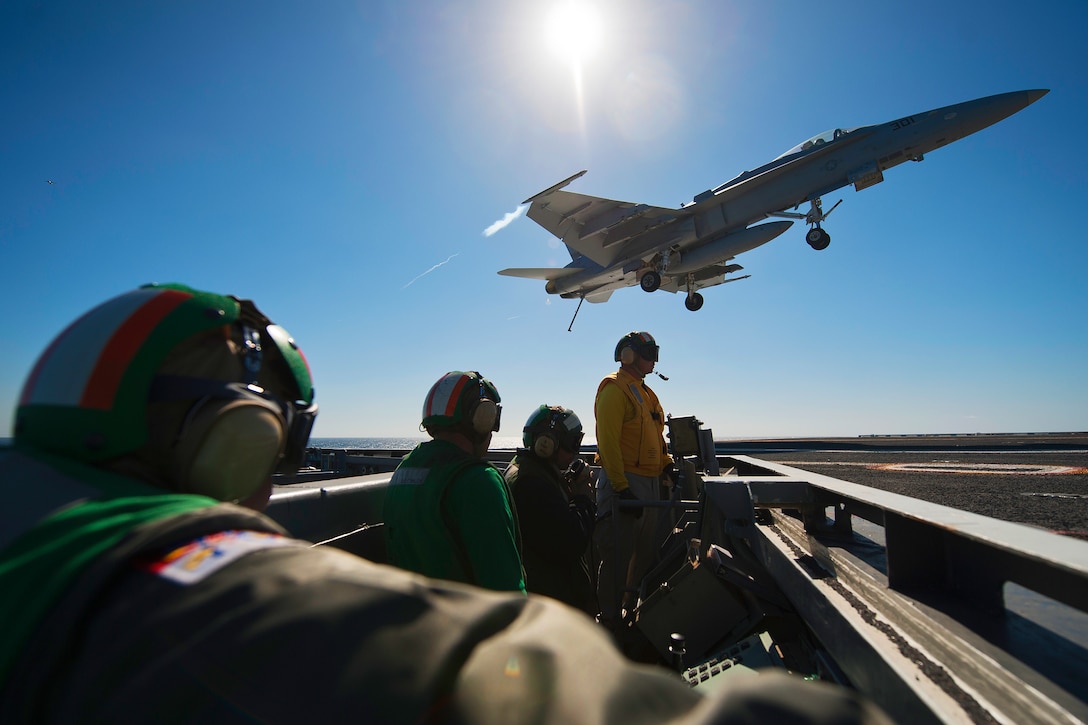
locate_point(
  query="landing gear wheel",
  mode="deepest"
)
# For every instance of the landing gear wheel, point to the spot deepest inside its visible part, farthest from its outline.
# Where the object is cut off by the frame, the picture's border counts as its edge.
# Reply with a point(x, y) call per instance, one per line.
point(694, 301)
point(650, 281)
point(817, 238)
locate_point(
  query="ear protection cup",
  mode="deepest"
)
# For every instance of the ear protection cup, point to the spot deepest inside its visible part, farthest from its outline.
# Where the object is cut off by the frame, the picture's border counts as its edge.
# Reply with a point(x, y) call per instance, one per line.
point(627, 355)
point(228, 449)
point(483, 416)
point(545, 444)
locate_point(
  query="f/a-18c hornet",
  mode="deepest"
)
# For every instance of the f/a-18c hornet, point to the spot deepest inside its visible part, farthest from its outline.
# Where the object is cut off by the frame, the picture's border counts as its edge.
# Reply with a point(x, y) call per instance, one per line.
point(616, 244)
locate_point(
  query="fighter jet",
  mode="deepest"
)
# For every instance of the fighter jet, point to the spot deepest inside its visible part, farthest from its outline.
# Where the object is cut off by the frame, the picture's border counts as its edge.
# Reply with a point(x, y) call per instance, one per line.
point(616, 244)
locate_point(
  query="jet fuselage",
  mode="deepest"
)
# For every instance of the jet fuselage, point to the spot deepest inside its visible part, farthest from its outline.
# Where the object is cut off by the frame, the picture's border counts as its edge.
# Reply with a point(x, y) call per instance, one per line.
point(616, 244)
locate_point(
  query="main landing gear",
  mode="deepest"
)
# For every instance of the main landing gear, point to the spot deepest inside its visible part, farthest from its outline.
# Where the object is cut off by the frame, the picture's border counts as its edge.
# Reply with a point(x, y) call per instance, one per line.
point(694, 300)
point(650, 282)
point(816, 237)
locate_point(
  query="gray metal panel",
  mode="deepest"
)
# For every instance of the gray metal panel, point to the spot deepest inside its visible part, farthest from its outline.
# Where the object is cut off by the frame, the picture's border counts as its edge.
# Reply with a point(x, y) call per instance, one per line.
point(896, 647)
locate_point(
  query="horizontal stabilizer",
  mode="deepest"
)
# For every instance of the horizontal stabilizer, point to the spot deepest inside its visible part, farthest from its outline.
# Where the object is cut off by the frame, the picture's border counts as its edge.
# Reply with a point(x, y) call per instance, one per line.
point(548, 273)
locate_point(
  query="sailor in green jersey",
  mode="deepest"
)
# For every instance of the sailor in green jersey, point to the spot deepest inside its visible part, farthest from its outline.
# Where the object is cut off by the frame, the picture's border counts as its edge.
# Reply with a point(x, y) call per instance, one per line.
point(447, 512)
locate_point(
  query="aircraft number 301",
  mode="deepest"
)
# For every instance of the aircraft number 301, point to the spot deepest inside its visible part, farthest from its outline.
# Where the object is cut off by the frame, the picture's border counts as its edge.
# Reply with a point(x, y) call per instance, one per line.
point(902, 123)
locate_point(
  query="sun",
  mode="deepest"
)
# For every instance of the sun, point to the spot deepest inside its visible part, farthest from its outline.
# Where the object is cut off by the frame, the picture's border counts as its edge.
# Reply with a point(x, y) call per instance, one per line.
point(574, 32)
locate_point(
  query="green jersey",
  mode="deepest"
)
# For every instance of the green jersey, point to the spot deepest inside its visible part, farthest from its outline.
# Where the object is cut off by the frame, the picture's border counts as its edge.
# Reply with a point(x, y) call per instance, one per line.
point(448, 515)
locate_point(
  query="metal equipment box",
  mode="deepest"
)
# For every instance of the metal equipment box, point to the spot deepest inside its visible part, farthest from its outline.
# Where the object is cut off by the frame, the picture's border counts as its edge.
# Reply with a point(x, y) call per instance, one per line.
point(696, 603)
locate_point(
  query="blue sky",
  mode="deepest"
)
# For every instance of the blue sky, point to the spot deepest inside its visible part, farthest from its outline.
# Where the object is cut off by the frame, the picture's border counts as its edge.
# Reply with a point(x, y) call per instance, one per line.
point(338, 162)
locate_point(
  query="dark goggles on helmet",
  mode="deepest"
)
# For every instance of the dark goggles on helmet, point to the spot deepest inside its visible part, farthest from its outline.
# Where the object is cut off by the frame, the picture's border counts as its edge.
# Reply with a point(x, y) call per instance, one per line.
point(646, 351)
point(298, 416)
point(572, 441)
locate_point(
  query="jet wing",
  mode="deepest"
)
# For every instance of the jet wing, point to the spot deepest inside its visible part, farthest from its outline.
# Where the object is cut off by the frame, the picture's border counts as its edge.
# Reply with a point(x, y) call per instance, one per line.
point(593, 226)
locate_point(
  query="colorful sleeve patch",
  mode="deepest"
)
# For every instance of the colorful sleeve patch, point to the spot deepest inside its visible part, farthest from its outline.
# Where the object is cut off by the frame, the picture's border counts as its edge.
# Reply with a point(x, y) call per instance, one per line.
point(202, 557)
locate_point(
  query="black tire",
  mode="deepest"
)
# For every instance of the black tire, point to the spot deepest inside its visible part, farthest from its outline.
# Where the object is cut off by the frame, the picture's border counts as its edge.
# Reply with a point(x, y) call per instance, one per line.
point(694, 301)
point(650, 281)
point(818, 239)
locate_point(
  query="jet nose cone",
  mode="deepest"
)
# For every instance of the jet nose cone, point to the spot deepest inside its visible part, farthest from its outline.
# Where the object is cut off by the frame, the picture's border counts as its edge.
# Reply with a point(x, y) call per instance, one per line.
point(1035, 95)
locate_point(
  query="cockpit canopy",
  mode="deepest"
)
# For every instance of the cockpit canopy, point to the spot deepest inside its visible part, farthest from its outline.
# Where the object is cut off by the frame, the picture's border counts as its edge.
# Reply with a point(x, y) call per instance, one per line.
point(820, 139)
point(829, 136)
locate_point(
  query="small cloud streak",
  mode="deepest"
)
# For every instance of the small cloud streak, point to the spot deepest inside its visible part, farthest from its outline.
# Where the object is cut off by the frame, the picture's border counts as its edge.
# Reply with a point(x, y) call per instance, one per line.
point(430, 270)
point(505, 221)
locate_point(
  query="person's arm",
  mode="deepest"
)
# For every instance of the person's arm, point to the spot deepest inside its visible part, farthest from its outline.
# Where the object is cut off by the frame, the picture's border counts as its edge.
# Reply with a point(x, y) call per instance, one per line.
point(478, 505)
point(379, 644)
point(610, 407)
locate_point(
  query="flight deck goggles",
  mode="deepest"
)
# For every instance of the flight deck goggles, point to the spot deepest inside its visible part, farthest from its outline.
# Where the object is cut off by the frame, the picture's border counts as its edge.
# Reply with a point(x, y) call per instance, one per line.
point(647, 351)
point(641, 343)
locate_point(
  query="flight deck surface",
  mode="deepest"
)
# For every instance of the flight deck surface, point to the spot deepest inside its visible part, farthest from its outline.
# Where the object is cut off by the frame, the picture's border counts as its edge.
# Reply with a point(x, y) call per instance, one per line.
point(1035, 479)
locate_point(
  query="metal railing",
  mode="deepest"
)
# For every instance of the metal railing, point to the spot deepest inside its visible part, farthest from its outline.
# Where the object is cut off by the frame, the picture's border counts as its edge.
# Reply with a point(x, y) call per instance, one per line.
point(909, 597)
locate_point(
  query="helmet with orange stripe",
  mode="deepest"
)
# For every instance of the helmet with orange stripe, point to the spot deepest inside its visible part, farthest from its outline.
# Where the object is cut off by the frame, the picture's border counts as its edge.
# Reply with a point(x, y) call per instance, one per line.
point(463, 400)
point(202, 388)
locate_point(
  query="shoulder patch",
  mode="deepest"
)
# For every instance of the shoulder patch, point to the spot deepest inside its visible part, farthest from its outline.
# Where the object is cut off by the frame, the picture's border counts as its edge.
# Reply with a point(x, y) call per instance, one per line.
point(202, 557)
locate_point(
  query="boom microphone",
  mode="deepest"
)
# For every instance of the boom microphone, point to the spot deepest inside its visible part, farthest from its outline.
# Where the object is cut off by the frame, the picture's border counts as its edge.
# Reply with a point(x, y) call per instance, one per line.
point(660, 375)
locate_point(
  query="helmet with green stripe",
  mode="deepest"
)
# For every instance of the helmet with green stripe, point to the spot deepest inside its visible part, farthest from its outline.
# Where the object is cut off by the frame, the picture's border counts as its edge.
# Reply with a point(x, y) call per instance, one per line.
point(465, 400)
point(91, 395)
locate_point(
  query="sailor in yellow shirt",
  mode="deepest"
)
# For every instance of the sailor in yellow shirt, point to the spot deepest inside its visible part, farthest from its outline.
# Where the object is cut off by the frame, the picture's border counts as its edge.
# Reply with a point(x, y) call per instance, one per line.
point(632, 453)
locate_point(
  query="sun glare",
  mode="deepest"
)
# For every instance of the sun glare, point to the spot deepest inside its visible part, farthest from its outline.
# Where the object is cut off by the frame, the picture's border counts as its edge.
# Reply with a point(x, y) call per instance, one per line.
point(574, 32)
